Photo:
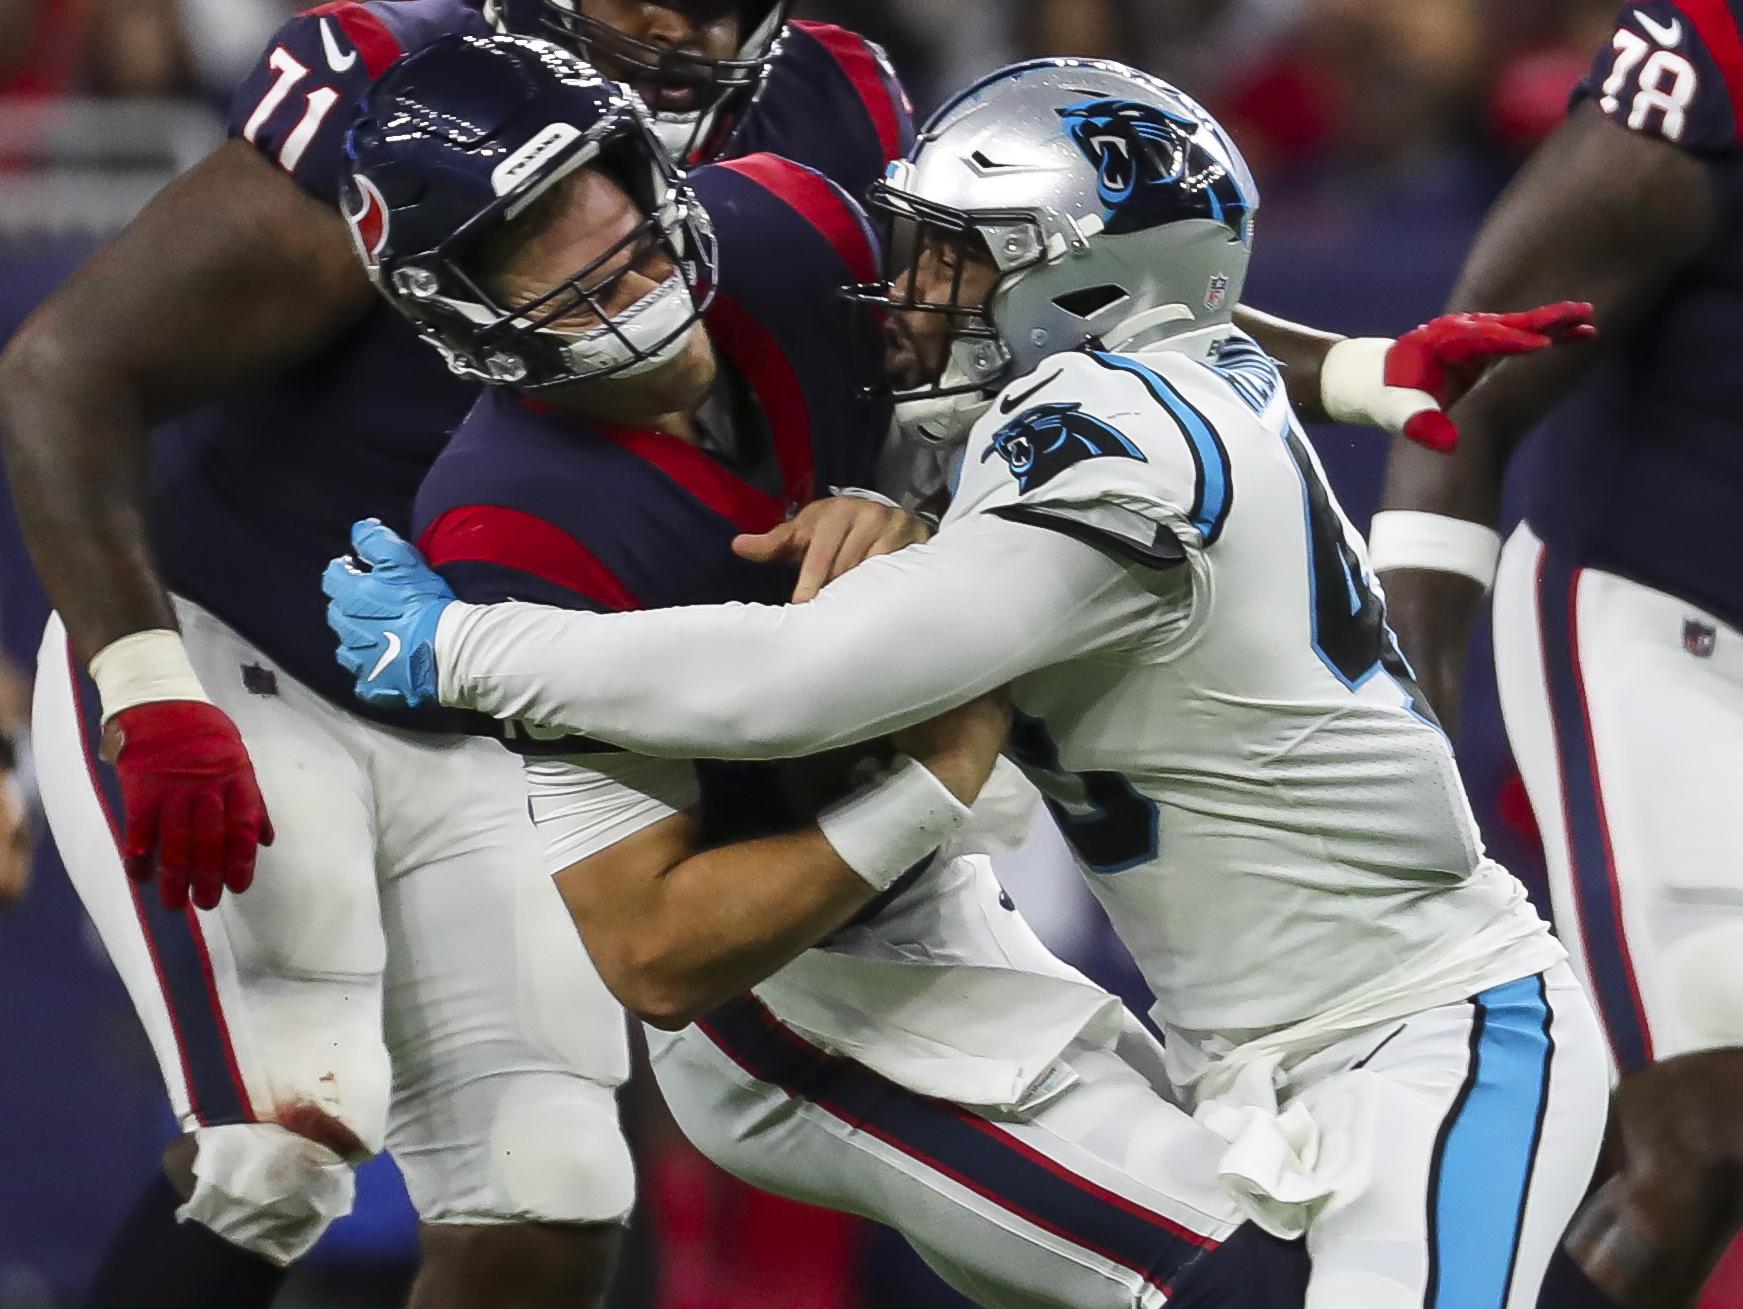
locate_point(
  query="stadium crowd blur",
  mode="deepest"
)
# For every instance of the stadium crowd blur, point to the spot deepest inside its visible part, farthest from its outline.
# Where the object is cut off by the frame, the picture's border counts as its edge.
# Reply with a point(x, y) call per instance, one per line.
point(1379, 134)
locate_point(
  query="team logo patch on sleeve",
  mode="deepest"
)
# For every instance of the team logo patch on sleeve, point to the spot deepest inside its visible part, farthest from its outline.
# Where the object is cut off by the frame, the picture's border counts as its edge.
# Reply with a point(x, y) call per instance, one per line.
point(1152, 167)
point(1043, 442)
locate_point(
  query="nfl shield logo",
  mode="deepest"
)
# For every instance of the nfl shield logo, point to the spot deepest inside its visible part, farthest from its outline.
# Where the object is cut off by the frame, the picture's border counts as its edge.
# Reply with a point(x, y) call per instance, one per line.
point(1218, 292)
point(1699, 638)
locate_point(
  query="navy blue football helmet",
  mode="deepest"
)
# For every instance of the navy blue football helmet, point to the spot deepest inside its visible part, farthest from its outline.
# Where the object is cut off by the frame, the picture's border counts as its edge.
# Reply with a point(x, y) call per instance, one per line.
point(462, 137)
point(717, 89)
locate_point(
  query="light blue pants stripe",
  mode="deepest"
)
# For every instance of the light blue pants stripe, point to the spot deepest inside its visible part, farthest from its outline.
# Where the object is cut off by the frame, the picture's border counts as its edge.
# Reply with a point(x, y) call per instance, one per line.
point(1488, 1146)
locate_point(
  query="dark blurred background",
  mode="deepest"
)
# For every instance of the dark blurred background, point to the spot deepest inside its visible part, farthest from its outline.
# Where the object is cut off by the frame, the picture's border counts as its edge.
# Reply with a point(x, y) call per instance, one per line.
point(1379, 133)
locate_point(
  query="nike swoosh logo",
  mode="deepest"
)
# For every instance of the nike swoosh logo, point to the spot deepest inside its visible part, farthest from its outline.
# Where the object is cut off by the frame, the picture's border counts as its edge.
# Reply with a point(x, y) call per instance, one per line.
point(387, 657)
point(1016, 402)
point(338, 61)
point(1665, 34)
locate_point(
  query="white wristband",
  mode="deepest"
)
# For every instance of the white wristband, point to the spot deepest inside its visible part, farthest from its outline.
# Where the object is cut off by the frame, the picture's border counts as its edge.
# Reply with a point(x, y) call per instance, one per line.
point(884, 830)
point(1352, 386)
point(144, 668)
point(1410, 538)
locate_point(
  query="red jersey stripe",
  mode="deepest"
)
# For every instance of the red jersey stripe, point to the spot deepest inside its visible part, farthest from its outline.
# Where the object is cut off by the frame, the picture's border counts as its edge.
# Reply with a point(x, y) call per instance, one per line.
point(1717, 26)
point(512, 538)
point(866, 72)
point(819, 202)
point(748, 346)
point(734, 499)
point(369, 34)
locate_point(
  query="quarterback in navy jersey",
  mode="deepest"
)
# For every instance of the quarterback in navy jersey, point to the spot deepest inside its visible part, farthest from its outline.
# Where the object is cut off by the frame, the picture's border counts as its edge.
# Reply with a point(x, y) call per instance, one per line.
point(1618, 601)
point(358, 425)
point(235, 302)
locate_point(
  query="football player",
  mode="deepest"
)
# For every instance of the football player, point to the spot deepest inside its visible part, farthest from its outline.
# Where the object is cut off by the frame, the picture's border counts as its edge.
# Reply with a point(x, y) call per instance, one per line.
point(387, 978)
point(683, 371)
point(1144, 546)
point(1618, 601)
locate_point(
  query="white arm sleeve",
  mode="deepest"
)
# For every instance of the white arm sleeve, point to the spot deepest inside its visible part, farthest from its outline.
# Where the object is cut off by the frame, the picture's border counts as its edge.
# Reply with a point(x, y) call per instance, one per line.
point(896, 641)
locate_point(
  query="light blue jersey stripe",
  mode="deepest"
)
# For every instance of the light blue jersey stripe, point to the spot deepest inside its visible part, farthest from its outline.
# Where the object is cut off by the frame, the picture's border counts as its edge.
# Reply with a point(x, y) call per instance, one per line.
point(1488, 1147)
point(1215, 478)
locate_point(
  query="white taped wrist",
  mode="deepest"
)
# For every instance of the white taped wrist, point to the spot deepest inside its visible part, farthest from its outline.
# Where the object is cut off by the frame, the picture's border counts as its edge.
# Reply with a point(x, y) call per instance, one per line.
point(884, 830)
point(1352, 386)
point(1411, 538)
point(144, 668)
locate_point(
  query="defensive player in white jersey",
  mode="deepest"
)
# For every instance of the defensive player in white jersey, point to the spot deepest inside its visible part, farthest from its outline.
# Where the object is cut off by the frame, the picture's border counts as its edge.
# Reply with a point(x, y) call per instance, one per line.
point(1143, 546)
point(928, 1064)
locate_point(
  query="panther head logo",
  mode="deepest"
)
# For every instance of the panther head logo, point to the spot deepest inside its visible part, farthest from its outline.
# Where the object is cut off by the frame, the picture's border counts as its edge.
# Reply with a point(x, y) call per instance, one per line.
point(1042, 442)
point(1152, 168)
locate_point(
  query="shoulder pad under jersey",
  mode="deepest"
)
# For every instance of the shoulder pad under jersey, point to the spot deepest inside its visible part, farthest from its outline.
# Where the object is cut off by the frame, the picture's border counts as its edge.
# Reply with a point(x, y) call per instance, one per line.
point(1124, 446)
point(296, 105)
point(833, 103)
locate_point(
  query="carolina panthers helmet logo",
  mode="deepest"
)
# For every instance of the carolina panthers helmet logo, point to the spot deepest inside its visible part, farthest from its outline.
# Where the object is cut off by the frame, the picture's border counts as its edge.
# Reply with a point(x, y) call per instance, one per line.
point(1043, 442)
point(1151, 166)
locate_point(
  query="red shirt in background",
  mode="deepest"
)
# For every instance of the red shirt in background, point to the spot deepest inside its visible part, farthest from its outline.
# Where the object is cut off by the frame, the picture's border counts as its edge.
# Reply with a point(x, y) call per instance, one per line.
point(51, 56)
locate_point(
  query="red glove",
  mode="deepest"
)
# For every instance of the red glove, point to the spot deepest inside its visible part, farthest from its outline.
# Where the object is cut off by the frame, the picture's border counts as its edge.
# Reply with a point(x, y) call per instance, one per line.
point(1446, 357)
point(194, 813)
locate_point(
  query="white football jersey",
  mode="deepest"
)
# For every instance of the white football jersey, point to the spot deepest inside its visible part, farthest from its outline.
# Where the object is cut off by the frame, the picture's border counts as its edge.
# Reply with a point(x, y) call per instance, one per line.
point(1269, 813)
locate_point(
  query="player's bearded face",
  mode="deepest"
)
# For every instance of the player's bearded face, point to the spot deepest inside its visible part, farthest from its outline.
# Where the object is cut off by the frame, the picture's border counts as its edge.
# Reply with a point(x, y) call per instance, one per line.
point(700, 29)
point(948, 280)
point(586, 222)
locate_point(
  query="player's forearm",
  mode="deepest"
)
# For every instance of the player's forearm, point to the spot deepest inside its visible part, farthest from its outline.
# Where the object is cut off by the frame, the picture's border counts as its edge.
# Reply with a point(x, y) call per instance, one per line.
point(891, 644)
point(676, 931)
point(717, 923)
point(75, 447)
point(229, 274)
point(1599, 214)
point(1301, 351)
point(1431, 605)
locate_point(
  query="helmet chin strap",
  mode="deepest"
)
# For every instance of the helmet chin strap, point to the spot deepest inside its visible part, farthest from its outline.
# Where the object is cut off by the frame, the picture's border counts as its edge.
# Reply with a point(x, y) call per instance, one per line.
point(942, 419)
point(648, 335)
point(1198, 342)
point(1149, 327)
point(679, 134)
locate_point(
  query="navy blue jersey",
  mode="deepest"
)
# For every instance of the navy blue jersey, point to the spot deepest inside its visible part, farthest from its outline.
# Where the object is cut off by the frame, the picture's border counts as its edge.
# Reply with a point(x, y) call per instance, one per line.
point(1650, 485)
point(525, 504)
point(831, 102)
point(277, 473)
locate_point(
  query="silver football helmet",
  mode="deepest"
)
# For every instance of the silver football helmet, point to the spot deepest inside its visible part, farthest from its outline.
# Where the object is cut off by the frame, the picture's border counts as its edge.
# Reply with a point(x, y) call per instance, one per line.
point(1117, 212)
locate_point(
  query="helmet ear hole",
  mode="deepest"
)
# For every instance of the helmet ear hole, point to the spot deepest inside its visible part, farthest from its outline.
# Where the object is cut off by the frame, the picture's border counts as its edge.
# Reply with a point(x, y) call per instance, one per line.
point(1092, 301)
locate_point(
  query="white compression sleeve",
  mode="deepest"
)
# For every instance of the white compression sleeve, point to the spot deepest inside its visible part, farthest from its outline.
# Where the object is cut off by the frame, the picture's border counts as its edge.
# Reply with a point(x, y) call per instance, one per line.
point(896, 641)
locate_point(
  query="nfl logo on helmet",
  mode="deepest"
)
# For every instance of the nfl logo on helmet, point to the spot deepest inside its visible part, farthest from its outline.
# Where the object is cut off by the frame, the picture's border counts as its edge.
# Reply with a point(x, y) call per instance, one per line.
point(1217, 292)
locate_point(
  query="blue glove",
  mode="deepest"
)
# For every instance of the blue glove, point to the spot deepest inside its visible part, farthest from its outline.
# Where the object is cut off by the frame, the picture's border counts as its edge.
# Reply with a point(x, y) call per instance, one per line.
point(386, 602)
